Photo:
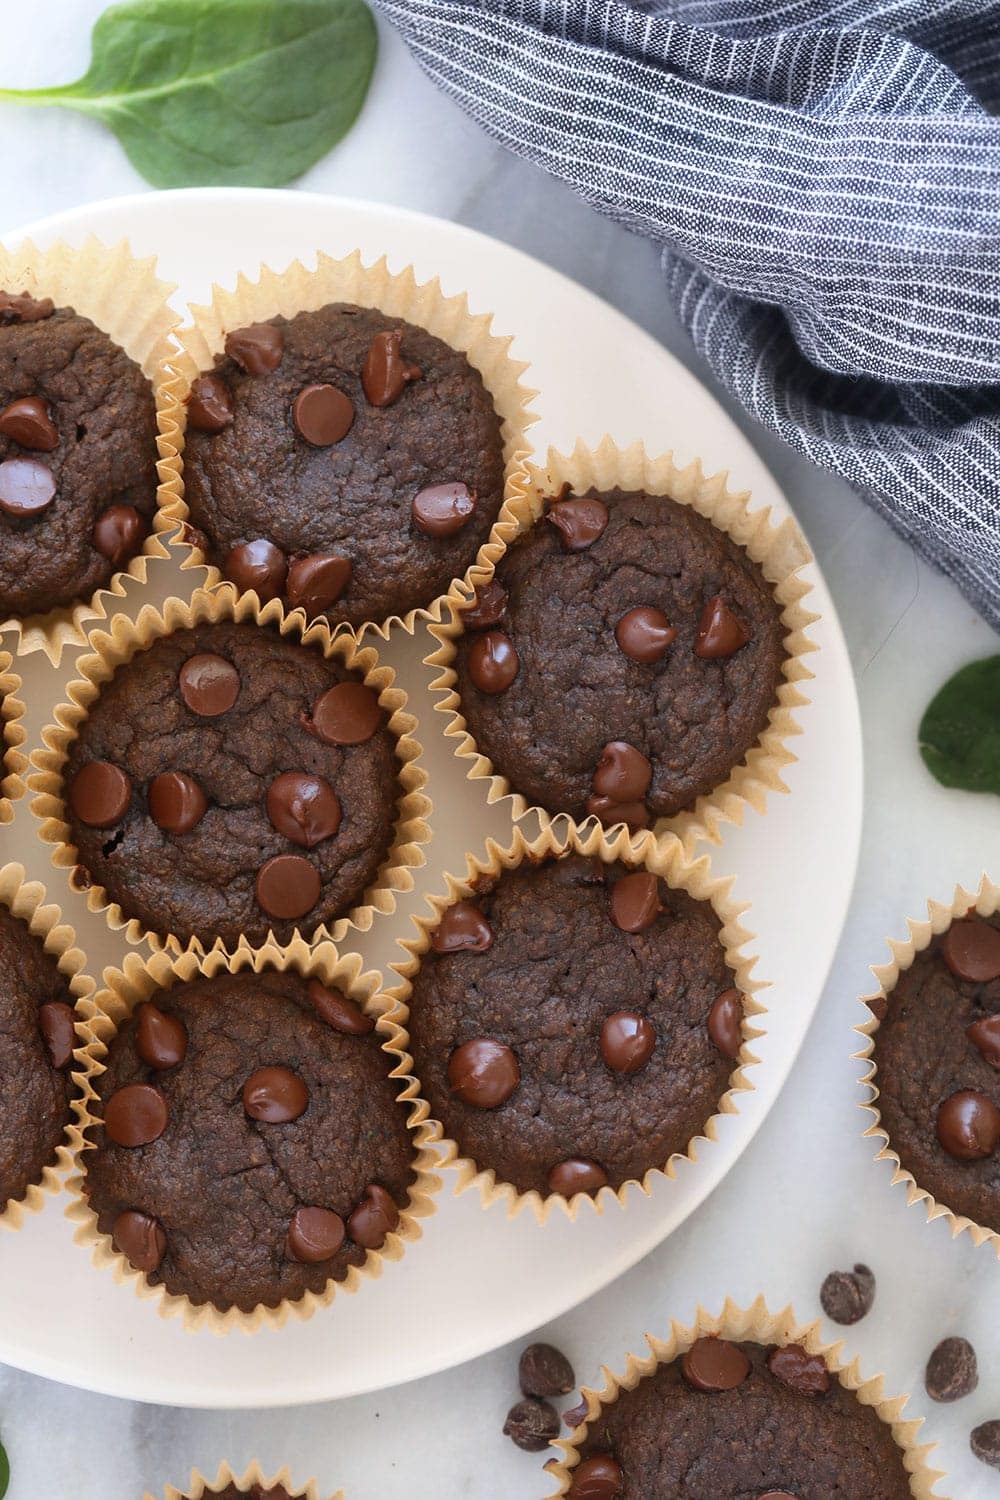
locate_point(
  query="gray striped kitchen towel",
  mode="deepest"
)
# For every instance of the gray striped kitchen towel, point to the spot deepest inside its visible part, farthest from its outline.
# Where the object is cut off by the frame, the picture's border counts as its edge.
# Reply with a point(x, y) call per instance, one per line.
point(824, 179)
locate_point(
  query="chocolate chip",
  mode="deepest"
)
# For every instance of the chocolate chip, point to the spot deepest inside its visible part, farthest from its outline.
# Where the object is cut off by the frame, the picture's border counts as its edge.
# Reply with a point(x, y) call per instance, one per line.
point(18, 307)
point(338, 1011)
point(805, 1373)
point(257, 348)
point(28, 422)
point(635, 901)
point(257, 565)
point(323, 415)
point(623, 773)
point(375, 1217)
point(100, 794)
point(118, 533)
point(275, 1095)
point(714, 1365)
point(720, 632)
point(488, 607)
point(543, 1370)
point(968, 1126)
point(634, 815)
point(141, 1239)
point(386, 373)
point(952, 1371)
point(208, 684)
point(985, 1443)
point(287, 886)
point(347, 714)
point(443, 509)
point(575, 1416)
point(725, 1023)
point(493, 662)
point(160, 1039)
point(643, 634)
point(176, 802)
point(135, 1115)
point(577, 1174)
point(304, 808)
point(532, 1425)
point(314, 1235)
point(462, 929)
point(847, 1296)
point(483, 1073)
point(597, 1478)
point(971, 949)
point(627, 1042)
point(316, 582)
point(27, 487)
point(55, 1022)
point(210, 404)
point(985, 1035)
point(579, 522)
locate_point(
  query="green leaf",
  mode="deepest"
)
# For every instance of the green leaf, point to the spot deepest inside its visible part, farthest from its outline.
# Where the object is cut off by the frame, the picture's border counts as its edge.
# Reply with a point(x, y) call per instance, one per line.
point(4, 1471)
point(202, 92)
point(960, 732)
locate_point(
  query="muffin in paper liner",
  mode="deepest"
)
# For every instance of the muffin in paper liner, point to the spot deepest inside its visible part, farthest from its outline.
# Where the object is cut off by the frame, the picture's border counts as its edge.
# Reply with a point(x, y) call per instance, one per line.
point(26, 900)
point(779, 549)
point(756, 1324)
point(124, 297)
point(399, 295)
point(123, 640)
point(12, 760)
point(198, 1485)
point(667, 860)
point(986, 901)
point(101, 1015)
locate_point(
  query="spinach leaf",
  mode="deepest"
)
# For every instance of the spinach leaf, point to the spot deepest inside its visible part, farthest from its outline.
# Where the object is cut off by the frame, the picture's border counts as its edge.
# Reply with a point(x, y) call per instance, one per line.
point(4, 1471)
point(223, 91)
point(960, 732)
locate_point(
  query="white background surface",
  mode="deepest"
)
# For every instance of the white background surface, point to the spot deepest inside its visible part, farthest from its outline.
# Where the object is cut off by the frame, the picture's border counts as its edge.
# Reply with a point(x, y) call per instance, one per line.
point(807, 1196)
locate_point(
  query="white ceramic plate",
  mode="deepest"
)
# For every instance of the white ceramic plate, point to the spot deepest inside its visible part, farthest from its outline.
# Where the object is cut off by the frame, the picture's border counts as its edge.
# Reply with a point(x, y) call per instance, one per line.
point(475, 1280)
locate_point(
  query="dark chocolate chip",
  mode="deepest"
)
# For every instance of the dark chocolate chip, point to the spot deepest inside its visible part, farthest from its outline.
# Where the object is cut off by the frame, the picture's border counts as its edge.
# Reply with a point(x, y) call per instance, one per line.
point(462, 929)
point(118, 533)
point(493, 662)
point(375, 1217)
point(304, 808)
point(135, 1115)
point(483, 1073)
point(577, 1174)
point(18, 307)
point(543, 1370)
point(713, 1364)
point(725, 1023)
point(627, 1042)
point(210, 404)
point(985, 1035)
point(28, 422)
point(141, 1239)
point(314, 1235)
point(257, 565)
point(635, 901)
point(316, 582)
point(209, 684)
point(55, 1021)
point(623, 773)
point(532, 1425)
point(176, 802)
point(968, 1126)
point(257, 348)
point(275, 1095)
point(443, 509)
point(386, 372)
point(634, 815)
point(597, 1478)
point(160, 1039)
point(323, 415)
point(488, 608)
point(338, 1011)
point(847, 1296)
point(287, 886)
point(27, 487)
point(952, 1371)
point(574, 1416)
point(802, 1372)
point(347, 714)
point(100, 794)
point(643, 634)
point(985, 1443)
point(720, 632)
point(579, 522)
point(971, 949)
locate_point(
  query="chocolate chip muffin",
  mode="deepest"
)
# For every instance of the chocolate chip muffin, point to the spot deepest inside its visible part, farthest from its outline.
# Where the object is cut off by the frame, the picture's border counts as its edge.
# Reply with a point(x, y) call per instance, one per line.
point(36, 1050)
point(937, 1052)
point(252, 1146)
point(740, 1421)
point(343, 460)
point(624, 660)
point(229, 780)
point(77, 456)
point(574, 1025)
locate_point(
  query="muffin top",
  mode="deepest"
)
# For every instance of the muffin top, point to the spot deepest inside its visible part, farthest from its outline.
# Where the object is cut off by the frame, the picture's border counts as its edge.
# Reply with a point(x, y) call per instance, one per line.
point(77, 456)
point(344, 460)
point(624, 660)
point(36, 1049)
point(560, 1024)
point(252, 1147)
point(937, 1051)
point(229, 780)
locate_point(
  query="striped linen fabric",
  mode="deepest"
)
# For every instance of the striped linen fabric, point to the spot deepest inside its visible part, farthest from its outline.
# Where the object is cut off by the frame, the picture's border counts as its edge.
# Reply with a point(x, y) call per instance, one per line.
point(824, 179)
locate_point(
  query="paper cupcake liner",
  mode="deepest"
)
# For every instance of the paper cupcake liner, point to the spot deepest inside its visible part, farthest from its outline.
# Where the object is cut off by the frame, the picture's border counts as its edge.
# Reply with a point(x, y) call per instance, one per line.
point(26, 899)
point(562, 837)
point(779, 549)
point(126, 299)
point(986, 900)
point(123, 639)
point(12, 761)
point(399, 295)
point(255, 1474)
point(756, 1324)
point(104, 1012)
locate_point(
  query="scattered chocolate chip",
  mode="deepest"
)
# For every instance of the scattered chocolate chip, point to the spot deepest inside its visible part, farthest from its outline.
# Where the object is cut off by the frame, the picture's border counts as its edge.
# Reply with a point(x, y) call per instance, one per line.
point(257, 348)
point(483, 1073)
point(304, 808)
point(725, 1023)
point(443, 509)
point(971, 949)
point(18, 307)
point(577, 1174)
point(323, 415)
point(579, 522)
point(208, 684)
point(314, 1235)
point(27, 487)
point(597, 1478)
point(55, 1022)
point(176, 802)
point(100, 794)
point(952, 1371)
point(985, 1443)
point(287, 886)
point(316, 582)
point(28, 422)
point(802, 1372)
point(160, 1039)
point(257, 565)
point(543, 1370)
point(623, 773)
point(643, 634)
point(488, 607)
point(118, 533)
point(493, 662)
point(275, 1095)
point(375, 1217)
point(532, 1424)
point(627, 1042)
point(720, 632)
point(713, 1364)
point(338, 1011)
point(635, 901)
point(210, 404)
point(386, 372)
point(968, 1126)
point(847, 1296)
point(634, 815)
point(141, 1239)
point(135, 1115)
point(347, 714)
point(985, 1035)
point(575, 1416)
point(462, 929)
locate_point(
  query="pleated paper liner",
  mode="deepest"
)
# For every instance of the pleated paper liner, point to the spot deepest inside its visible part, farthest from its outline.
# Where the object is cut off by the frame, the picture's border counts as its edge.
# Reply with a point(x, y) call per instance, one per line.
point(986, 901)
point(778, 548)
point(198, 1486)
point(123, 640)
point(399, 295)
point(26, 900)
point(666, 860)
point(124, 297)
point(103, 1013)
point(12, 760)
point(756, 1324)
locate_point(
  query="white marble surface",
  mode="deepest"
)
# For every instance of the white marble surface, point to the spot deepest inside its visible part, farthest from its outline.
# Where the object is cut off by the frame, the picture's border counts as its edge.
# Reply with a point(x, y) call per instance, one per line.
point(807, 1196)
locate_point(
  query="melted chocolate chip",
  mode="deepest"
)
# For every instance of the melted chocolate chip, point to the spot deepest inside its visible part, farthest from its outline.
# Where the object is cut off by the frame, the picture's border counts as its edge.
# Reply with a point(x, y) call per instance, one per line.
point(210, 404)
point(316, 582)
point(28, 422)
point(275, 1095)
point(386, 372)
point(304, 808)
point(720, 632)
point(488, 607)
point(443, 509)
point(257, 348)
point(644, 634)
point(623, 773)
point(347, 714)
point(374, 1219)
point(176, 802)
point(483, 1073)
point(713, 1364)
point(968, 1126)
point(287, 886)
point(579, 522)
point(258, 565)
point(141, 1239)
point(597, 1478)
point(208, 684)
point(634, 815)
point(100, 794)
point(577, 1174)
point(338, 1011)
point(971, 949)
point(323, 415)
point(802, 1372)
point(492, 662)
point(160, 1039)
point(725, 1023)
point(27, 487)
point(635, 901)
point(55, 1022)
point(627, 1042)
point(314, 1235)
point(985, 1035)
point(462, 929)
point(135, 1115)
point(118, 533)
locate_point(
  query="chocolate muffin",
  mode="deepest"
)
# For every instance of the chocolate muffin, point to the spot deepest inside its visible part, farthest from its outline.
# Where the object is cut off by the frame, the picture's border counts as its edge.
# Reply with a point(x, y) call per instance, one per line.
point(344, 460)
point(255, 1492)
point(36, 1050)
point(229, 780)
point(574, 1025)
point(252, 1147)
point(937, 1052)
point(743, 1422)
point(624, 660)
point(77, 456)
